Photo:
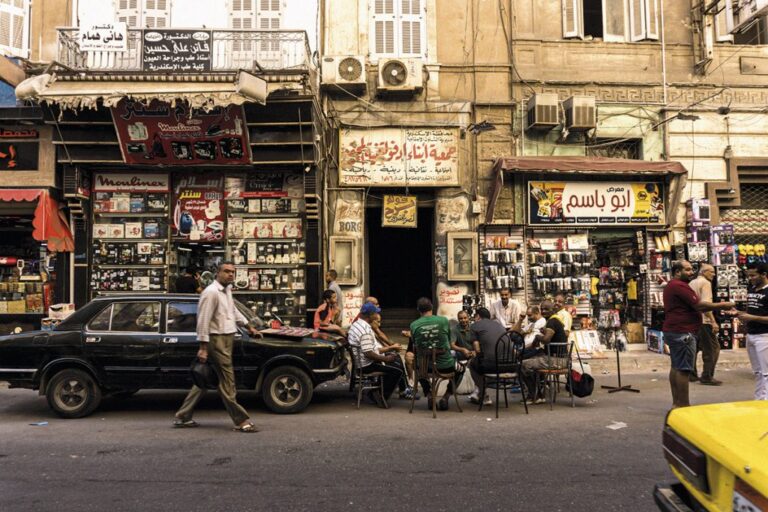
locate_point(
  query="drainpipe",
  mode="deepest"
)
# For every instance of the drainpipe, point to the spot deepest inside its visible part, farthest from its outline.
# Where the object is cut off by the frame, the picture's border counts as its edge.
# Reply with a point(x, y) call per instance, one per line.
point(663, 56)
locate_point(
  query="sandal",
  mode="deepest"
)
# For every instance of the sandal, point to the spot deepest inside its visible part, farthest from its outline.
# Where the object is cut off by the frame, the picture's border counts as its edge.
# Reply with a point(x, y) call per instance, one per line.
point(178, 423)
point(248, 428)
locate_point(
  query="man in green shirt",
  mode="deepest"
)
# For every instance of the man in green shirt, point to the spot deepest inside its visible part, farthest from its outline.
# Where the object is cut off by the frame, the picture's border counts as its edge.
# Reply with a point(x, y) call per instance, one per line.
point(433, 331)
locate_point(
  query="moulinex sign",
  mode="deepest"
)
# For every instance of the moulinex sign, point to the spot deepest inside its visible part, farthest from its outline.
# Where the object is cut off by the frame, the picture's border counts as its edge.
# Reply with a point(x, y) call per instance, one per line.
point(123, 182)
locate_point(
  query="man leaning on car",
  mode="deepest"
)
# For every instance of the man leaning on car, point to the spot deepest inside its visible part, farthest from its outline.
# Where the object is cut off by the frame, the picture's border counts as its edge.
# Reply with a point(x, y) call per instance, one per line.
point(217, 321)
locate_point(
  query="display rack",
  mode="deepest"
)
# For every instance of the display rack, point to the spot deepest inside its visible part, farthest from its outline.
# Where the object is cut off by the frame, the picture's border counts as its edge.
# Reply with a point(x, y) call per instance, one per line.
point(502, 253)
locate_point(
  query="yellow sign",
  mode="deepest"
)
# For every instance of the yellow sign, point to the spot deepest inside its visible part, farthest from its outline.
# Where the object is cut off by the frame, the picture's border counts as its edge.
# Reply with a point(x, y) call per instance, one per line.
point(399, 212)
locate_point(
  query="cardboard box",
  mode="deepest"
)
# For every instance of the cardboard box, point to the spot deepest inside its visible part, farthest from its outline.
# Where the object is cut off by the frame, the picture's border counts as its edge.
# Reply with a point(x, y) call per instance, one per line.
point(654, 340)
point(721, 234)
point(60, 311)
point(698, 210)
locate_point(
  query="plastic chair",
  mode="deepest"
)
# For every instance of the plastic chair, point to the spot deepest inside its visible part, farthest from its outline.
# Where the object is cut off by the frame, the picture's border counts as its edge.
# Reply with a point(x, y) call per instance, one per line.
point(364, 381)
point(426, 369)
point(509, 357)
point(557, 366)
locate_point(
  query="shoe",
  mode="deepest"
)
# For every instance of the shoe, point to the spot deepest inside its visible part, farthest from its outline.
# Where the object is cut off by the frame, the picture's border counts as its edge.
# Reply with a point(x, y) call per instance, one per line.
point(408, 393)
point(711, 382)
point(540, 401)
point(474, 399)
point(692, 377)
point(378, 399)
point(185, 423)
point(514, 389)
point(442, 404)
point(527, 401)
point(487, 400)
point(248, 428)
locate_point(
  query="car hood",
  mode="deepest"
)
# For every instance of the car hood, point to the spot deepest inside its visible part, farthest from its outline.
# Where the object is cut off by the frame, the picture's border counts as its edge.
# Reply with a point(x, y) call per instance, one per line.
point(735, 434)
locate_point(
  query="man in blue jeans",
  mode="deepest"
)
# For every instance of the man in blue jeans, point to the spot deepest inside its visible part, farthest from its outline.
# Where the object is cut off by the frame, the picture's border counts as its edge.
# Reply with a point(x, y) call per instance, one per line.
point(682, 319)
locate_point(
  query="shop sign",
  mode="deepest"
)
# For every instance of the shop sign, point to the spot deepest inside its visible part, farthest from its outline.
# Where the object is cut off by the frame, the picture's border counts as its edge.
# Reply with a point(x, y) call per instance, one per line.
point(399, 212)
point(197, 213)
point(595, 203)
point(349, 218)
point(176, 51)
point(109, 37)
point(130, 182)
point(18, 156)
point(265, 185)
point(450, 299)
point(451, 214)
point(161, 133)
point(398, 157)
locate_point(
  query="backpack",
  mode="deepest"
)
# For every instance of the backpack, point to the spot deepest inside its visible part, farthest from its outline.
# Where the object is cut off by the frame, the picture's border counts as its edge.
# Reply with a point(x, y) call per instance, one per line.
point(583, 382)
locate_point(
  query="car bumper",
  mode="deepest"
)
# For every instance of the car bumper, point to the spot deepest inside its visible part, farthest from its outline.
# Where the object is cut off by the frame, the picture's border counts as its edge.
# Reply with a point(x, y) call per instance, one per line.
point(674, 498)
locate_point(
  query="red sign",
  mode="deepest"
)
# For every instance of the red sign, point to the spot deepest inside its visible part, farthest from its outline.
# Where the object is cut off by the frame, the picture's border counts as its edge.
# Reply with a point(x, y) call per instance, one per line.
point(198, 206)
point(160, 133)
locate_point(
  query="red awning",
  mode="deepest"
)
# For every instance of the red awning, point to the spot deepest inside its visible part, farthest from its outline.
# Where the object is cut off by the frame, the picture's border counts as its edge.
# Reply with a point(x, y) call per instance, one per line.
point(49, 223)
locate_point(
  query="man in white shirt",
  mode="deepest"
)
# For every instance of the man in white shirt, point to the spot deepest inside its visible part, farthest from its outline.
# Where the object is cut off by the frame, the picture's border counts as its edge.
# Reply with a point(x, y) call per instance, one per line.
point(707, 339)
point(505, 310)
point(533, 326)
point(217, 322)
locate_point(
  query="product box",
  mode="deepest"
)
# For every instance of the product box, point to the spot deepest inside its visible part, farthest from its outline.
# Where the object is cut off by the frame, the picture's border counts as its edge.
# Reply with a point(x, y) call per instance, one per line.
point(654, 340)
point(698, 252)
point(60, 311)
point(695, 234)
point(133, 230)
point(698, 210)
point(721, 234)
point(723, 255)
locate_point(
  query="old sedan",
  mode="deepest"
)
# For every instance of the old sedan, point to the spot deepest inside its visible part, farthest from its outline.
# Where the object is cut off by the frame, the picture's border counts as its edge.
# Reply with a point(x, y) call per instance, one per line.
point(117, 345)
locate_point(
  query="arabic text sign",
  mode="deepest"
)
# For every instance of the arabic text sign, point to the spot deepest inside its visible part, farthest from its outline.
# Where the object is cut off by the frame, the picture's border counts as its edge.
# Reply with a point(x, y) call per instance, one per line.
point(396, 157)
point(399, 212)
point(197, 213)
point(595, 203)
point(110, 37)
point(177, 51)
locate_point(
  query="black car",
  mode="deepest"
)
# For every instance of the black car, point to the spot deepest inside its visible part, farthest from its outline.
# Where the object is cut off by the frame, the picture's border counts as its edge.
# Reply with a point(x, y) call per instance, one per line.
point(117, 345)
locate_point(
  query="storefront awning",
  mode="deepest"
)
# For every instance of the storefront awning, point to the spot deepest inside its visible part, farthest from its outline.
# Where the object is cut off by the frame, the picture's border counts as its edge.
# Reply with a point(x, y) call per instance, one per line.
point(675, 171)
point(50, 225)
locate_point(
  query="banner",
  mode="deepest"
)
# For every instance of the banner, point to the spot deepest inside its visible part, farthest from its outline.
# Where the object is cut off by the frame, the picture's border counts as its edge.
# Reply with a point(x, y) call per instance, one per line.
point(130, 182)
point(198, 206)
point(595, 203)
point(176, 51)
point(110, 37)
point(398, 157)
point(160, 133)
point(399, 212)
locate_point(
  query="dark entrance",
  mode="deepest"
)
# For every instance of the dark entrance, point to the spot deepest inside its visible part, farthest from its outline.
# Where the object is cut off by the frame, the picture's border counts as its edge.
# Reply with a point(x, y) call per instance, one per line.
point(400, 260)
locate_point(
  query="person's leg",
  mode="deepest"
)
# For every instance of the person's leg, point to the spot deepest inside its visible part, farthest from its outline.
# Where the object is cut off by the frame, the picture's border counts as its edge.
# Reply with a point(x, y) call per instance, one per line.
point(220, 354)
point(409, 366)
point(391, 375)
point(187, 408)
point(477, 376)
point(710, 351)
point(682, 351)
point(757, 348)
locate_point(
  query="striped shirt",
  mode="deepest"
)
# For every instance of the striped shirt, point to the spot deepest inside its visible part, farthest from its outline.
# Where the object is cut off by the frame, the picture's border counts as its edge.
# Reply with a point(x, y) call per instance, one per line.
point(362, 340)
point(216, 312)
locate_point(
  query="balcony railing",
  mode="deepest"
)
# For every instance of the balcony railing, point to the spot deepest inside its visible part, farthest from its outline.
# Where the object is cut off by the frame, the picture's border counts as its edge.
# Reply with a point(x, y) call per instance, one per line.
point(230, 50)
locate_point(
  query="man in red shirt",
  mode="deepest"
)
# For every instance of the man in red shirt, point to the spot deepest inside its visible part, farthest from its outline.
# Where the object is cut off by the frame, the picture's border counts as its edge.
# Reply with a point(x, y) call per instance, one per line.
point(682, 319)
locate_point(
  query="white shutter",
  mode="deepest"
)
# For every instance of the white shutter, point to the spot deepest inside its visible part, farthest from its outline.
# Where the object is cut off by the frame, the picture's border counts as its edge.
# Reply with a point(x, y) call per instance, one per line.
point(573, 19)
point(5, 28)
point(614, 20)
point(14, 26)
point(411, 28)
point(723, 23)
point(637, 20)
point(651, 19)
point(382, 36)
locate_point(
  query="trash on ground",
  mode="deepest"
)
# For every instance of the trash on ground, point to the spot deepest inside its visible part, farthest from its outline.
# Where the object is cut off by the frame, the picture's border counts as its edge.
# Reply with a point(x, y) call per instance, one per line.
point(40, 424)
point(616, 425)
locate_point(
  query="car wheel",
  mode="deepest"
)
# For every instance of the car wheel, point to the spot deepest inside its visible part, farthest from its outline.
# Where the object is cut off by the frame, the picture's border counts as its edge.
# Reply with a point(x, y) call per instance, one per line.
point(287, 390)
point(73, 393)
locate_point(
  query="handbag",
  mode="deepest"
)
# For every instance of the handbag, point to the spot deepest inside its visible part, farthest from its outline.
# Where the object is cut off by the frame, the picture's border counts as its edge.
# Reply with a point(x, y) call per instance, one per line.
point(581, 384)
point(203, 375)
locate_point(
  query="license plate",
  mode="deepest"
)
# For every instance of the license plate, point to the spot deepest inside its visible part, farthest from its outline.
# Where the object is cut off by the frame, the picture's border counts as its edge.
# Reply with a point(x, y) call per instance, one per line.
point(747, 499)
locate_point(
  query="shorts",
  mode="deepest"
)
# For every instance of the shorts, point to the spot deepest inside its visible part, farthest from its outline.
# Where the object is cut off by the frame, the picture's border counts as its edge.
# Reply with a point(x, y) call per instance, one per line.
point(682, 349)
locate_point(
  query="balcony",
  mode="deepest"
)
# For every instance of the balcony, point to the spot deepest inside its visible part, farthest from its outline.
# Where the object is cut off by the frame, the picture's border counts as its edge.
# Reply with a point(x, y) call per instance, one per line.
point(278, 51)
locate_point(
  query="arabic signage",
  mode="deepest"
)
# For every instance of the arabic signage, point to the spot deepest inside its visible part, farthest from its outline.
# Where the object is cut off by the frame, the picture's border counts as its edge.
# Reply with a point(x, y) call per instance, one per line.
point(111, 37)
point(124, 182)
point(399, 212)
point(159, 133)
point(197, 213)
point(176, 51)
point(397, 157)
point(595, 203)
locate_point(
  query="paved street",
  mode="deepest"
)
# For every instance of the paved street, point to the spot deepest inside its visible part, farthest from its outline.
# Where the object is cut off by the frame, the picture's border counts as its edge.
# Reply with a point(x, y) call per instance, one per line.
point(333, 457)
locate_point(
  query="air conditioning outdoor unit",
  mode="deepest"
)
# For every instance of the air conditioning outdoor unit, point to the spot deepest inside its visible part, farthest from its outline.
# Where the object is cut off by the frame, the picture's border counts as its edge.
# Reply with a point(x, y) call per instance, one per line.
point(543, 111)
point(400, 75)
point(580, 113)
point(73, 183)
point(739, 14)
point(345, 71)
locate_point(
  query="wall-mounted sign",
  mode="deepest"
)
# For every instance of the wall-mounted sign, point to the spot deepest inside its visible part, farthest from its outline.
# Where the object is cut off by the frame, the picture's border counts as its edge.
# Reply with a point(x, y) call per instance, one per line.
point(108, 37)
point(198, 206)
point(349, 217)
point(266, 184)
point(176, 51)
point(18, 156)
point(399, 212)
point(160, 133)
point(125, 182)
point(18, 133)
point(397, 157)
point(595, 203)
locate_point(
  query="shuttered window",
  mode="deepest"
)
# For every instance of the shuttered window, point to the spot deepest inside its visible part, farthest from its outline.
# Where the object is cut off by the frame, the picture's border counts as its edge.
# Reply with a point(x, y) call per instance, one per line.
point(14, 28)
point(397, 28)
point(611, 20)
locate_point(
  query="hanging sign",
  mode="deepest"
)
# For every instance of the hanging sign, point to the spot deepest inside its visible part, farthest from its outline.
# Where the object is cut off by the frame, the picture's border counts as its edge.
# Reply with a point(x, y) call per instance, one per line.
point(399, 212)
point(176, 51)
point(159, 133)
point(109, 37)
point(595, 203)
point(197, 200)
point(398, 157)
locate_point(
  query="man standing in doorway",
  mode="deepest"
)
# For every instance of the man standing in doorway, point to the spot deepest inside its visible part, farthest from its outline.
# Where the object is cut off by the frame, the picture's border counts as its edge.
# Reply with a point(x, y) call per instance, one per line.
point(217, 322)
point(331, 284)
point(682, 320)
point(506, 310)
point(707, 339)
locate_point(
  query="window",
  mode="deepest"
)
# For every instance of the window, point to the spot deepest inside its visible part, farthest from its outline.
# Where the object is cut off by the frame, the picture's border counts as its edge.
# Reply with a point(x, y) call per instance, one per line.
point(398, 28)
point(631, 149)
point(182, 317)
point(611, 20)
point(135, 316)
point(14, 28)
point(101, 321)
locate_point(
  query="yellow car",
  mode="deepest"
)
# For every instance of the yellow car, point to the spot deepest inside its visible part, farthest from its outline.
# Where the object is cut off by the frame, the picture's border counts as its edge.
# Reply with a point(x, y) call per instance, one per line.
point(719, 454)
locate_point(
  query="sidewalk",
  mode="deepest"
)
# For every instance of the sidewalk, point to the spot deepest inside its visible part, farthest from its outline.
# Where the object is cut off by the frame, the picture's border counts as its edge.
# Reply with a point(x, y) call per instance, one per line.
point(640, 361)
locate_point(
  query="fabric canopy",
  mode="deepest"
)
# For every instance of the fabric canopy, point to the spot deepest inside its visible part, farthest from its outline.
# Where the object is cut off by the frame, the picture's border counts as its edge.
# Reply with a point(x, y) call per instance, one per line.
point(49, 223)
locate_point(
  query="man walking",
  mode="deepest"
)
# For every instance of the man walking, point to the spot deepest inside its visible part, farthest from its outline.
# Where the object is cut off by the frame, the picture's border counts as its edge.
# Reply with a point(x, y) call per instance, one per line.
point(217, 321)
point(707, 335)
point(505, 310)
point(756, 318)
point(682, 320)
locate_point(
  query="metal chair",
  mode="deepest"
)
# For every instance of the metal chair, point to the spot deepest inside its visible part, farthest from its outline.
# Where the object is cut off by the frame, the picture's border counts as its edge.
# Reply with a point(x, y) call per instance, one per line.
point(557, 365)
point(426, 369)
point(509, 358)
point(364, 381)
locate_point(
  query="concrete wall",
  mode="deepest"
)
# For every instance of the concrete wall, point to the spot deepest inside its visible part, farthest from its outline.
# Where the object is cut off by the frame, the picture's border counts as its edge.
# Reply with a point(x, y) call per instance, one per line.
point(46, 16)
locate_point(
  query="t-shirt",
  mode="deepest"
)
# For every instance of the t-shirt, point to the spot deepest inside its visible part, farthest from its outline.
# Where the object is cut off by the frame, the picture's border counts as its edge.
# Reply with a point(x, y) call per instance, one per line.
point(461, 338)
point(679, 313)
point(533, 329)
point(703, 288)
point(339, 296)
point(434, 331)
point(556, 325)
point(186, 284)
point(565, 317)
point(487, 332)
point(322, 317)
point(362, 340)
point(757, 304)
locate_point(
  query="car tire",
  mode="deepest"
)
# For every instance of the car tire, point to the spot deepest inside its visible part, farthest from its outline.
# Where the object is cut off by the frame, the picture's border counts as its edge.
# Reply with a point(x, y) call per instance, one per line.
point(287, 390)
point(73, 393)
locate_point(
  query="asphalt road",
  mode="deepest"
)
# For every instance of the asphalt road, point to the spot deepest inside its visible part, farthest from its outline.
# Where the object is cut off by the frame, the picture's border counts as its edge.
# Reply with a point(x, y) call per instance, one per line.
point(334, 457)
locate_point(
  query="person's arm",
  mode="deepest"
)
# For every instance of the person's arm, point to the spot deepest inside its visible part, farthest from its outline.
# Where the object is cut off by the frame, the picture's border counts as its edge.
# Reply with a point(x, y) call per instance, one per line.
point(518, 327)
point(746, 317)
point(704, 306)
point(316, 321)
point(205, 310)
point(368, 346)
point(383, 338)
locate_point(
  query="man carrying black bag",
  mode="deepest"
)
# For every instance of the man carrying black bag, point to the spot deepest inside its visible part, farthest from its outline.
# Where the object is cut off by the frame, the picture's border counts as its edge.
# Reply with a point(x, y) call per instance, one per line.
point(217, 321)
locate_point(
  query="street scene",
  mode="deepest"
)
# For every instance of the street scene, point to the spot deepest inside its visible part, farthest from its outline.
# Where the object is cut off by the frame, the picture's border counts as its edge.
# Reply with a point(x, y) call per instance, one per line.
point(431, 255)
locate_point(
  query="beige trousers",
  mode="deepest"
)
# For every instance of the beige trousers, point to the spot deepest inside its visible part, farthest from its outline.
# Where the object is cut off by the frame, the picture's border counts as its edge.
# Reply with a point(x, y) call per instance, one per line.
point(220, 355)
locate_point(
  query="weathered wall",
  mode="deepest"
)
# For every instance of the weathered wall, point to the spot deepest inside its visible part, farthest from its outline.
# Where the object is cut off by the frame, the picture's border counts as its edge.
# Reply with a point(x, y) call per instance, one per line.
point(46, 16)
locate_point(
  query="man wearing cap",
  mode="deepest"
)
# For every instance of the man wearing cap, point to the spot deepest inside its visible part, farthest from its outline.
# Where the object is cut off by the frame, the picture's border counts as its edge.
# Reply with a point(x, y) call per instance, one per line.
point(363, 342)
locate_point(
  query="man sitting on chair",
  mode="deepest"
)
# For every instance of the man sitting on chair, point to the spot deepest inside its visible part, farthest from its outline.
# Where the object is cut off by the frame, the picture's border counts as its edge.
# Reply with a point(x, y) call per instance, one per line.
point(553, 332)
point(485, 334)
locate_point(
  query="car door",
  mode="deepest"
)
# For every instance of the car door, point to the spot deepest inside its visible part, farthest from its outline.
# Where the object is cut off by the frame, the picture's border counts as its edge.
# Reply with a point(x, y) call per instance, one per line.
point(123, 341)
point(179, 343)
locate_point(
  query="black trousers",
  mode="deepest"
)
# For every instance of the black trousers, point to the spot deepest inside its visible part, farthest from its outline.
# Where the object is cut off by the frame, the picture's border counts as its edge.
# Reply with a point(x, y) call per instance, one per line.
point(425, 385)
point(392, 375)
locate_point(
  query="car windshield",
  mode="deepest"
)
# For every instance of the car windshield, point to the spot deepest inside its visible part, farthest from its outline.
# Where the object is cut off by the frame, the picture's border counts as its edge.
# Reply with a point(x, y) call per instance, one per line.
point(253, 319)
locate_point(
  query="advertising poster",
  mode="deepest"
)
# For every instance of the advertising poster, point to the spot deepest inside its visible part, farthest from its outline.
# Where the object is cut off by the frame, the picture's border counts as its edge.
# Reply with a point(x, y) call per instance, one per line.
point(161, 133)
point(399, 212)
point(595, 203)
point(109, 37)
point(198, 207)
point(176, 51)
point(264, 185)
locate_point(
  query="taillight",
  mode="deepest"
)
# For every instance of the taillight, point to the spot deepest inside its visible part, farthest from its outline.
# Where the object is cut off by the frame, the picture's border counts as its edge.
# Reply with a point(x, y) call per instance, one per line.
point(686, 458)
point(746, 497)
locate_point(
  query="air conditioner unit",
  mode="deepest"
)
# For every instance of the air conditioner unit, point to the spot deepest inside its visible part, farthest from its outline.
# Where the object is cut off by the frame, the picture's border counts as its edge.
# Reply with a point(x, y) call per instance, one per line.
point(400, 75)
point(580, 113)
point(73, 183)
point(543, 111)
point(347, 72)
point(739, 14)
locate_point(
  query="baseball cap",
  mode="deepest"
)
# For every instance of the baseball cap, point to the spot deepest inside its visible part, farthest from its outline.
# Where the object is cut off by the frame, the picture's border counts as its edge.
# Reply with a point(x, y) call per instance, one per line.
point(369, 308)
